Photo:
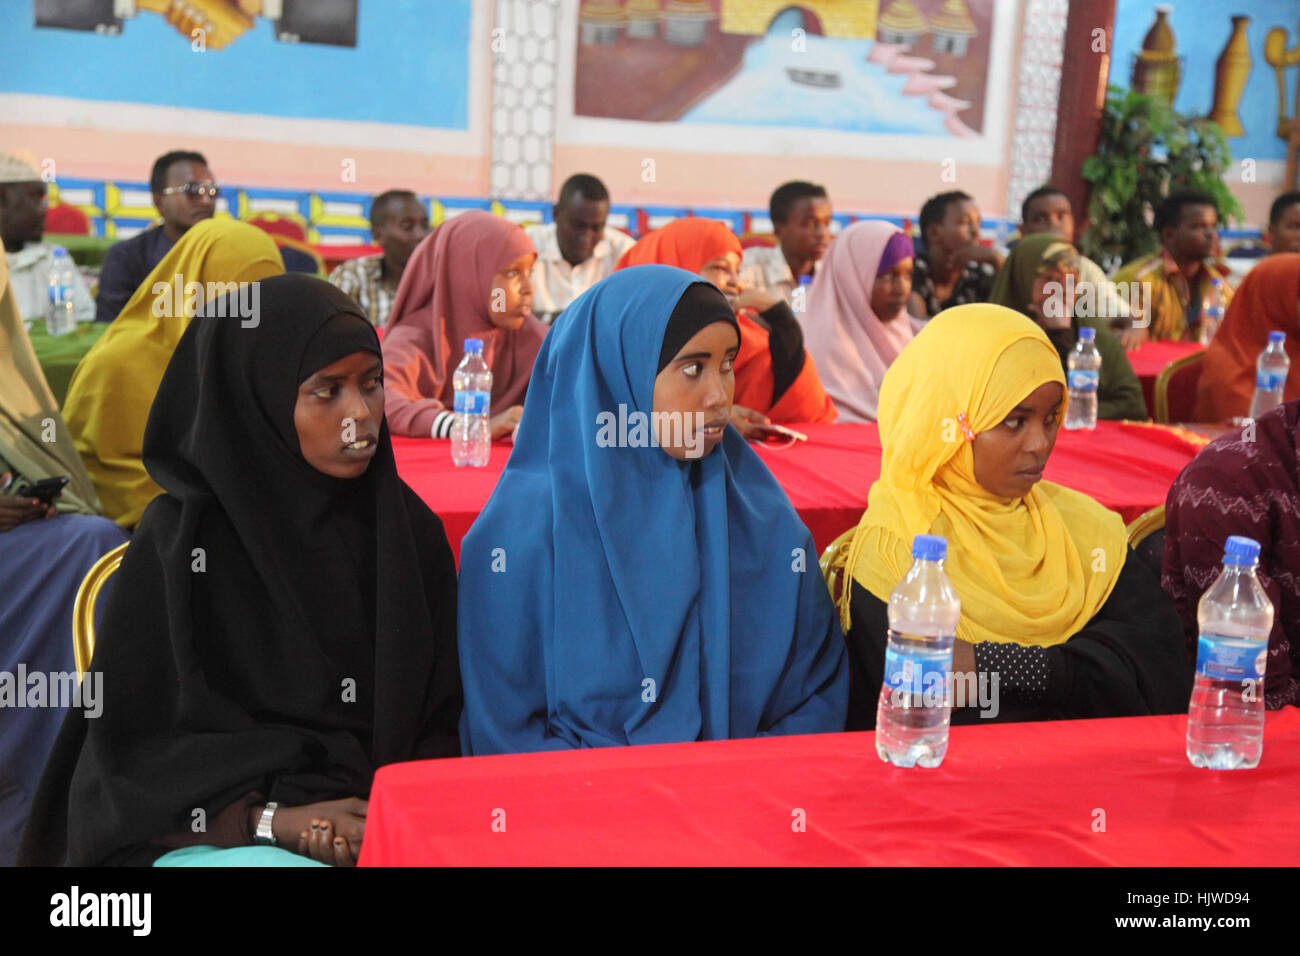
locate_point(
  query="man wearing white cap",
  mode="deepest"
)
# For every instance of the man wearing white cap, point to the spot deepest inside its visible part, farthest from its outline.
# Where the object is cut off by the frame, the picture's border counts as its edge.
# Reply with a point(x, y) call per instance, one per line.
point(22, 224)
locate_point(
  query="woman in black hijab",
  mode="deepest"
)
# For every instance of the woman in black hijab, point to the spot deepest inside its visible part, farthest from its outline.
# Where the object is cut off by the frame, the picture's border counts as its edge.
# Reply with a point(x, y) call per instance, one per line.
point(284, 621)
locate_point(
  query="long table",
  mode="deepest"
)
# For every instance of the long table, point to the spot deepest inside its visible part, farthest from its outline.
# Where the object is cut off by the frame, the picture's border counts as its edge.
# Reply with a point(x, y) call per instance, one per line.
point(1126, 466)
point(1118, 791)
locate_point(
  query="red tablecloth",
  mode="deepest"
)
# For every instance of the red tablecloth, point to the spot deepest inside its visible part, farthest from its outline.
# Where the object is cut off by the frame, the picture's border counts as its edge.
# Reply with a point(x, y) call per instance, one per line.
point(1024, 794)
point(1149, 361)
point(1126, 466)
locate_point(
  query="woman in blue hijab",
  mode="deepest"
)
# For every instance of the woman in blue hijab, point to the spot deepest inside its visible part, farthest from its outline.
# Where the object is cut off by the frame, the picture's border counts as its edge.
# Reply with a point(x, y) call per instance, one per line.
point(638, 576)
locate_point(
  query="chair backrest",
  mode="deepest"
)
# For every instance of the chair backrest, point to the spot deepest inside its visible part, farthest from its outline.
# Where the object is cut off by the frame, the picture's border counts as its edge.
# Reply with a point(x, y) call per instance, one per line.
point(291, 226)
point(299, 256)
point(752, 239)
point(1176, 389)
point(833, 560)
point(67, 220)
point(83, 610)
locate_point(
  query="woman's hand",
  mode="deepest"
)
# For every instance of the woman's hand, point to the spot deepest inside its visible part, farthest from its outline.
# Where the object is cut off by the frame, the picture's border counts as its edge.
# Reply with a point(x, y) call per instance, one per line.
point(755, 299)
point(505, 423)
point(15, 511)
point(1049, 322)
point(323, 846)
point(1133, 339)
point(749, 422)
point(963, 657)
point(963, 662)
point(328, 832)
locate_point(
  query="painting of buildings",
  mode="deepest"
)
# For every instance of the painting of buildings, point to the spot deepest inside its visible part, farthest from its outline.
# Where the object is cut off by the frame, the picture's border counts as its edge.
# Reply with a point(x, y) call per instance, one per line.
point(908, 67)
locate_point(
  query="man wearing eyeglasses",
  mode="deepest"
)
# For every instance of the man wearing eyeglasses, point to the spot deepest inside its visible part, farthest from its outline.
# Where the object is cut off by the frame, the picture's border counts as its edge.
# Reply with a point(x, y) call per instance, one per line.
point(185, 193)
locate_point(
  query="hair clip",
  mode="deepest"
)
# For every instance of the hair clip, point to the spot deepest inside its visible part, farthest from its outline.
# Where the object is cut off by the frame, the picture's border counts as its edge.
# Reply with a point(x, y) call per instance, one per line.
point(964, 424)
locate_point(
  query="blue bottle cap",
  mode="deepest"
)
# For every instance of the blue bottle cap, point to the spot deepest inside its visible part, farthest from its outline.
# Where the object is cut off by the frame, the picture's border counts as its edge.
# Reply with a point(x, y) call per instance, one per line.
point(1240, 550)
point(1087, 334)
point(473, 345)
point(1276, 338)
point(929, 547)
point(805, 280)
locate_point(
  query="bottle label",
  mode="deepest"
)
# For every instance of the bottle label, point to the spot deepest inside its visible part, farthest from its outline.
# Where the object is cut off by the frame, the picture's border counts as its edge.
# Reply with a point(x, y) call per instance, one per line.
point(1270, 381)
point(1083, 379)
point(472, 403)
point(924, 676)
point(60, 294)
point(1224, 658)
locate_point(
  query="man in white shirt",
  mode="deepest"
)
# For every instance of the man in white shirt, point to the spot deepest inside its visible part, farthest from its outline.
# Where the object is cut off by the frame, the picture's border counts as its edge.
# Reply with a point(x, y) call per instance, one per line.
point(801, 219)
point(575, 251)
point(22, 224)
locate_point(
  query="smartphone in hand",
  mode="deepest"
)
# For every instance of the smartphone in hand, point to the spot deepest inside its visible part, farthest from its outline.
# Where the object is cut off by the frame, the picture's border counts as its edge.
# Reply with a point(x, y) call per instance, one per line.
point(45, 490)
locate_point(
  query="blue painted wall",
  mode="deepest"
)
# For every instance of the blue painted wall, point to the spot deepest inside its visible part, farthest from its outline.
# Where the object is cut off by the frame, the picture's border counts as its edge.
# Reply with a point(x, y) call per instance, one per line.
point(1201, 30)
point(410, 66)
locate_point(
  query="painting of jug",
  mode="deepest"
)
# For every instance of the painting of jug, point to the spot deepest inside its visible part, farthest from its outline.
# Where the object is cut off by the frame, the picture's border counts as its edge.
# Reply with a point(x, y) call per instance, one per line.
point(1230, 75)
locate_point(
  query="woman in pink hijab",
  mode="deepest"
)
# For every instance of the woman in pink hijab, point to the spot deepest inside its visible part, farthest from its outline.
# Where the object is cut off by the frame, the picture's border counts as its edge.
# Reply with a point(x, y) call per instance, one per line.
point(856, 321)
point(468, 279)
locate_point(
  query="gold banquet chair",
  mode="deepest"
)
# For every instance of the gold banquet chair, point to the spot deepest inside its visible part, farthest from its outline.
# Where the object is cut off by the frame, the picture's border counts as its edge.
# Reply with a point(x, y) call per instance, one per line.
point(1145, 524)
point(83, 610)
point(1175, 389)
point(833, 560)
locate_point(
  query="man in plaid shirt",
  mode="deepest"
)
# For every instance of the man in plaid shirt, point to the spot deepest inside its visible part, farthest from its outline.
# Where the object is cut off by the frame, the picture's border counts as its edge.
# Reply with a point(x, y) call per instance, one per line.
point(398, 222)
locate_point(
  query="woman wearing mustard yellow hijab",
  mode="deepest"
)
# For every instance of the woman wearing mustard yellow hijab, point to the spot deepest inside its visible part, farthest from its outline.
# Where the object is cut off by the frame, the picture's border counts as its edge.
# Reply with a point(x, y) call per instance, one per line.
point(1051, 602)
point(114, 385)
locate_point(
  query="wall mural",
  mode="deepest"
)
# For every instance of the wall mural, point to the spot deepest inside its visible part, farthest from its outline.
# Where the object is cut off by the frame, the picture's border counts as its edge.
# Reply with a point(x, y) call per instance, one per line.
point(333, 60)
point(909, 67)
point(1237, 63)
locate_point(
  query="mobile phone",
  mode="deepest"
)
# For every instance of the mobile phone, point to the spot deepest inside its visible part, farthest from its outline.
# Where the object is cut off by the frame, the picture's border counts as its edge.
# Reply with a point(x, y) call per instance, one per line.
point(45, 490)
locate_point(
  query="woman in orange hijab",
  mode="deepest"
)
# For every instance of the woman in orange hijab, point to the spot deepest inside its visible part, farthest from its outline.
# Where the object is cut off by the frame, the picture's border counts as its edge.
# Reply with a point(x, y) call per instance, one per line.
point(1268, 300)
point(776, 380)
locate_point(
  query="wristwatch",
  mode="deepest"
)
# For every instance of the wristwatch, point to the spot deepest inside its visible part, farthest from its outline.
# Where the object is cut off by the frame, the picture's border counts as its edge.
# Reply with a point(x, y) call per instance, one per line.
point(264, 835)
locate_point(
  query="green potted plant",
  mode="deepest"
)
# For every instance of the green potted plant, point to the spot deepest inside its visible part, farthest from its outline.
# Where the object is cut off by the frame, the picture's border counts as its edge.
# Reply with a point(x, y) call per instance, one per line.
point(1146, 149)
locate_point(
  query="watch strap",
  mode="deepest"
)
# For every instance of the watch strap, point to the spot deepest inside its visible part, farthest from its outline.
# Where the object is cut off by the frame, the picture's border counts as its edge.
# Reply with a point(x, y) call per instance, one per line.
point(265, 836)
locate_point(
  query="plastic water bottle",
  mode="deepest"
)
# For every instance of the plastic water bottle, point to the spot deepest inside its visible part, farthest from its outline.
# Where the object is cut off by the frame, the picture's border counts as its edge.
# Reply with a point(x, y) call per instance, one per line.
point(799, 295)
point(61, 312)
point(915, 699)
point(1225, 722)
point(1271, 371)
point(1084, 376)
point(1211, 310)
point(471, 434)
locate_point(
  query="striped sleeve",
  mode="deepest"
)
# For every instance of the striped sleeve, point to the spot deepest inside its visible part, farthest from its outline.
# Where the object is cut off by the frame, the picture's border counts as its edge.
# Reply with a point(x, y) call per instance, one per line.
point(442, 423)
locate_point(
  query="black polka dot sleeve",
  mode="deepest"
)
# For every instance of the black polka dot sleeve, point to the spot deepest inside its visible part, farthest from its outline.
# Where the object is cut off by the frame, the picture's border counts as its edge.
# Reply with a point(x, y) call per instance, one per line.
point(1024, 672)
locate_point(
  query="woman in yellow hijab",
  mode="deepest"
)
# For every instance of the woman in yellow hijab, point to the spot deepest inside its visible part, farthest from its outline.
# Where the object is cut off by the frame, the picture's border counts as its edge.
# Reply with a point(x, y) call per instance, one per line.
point(1057, 619)
point(114, 385)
